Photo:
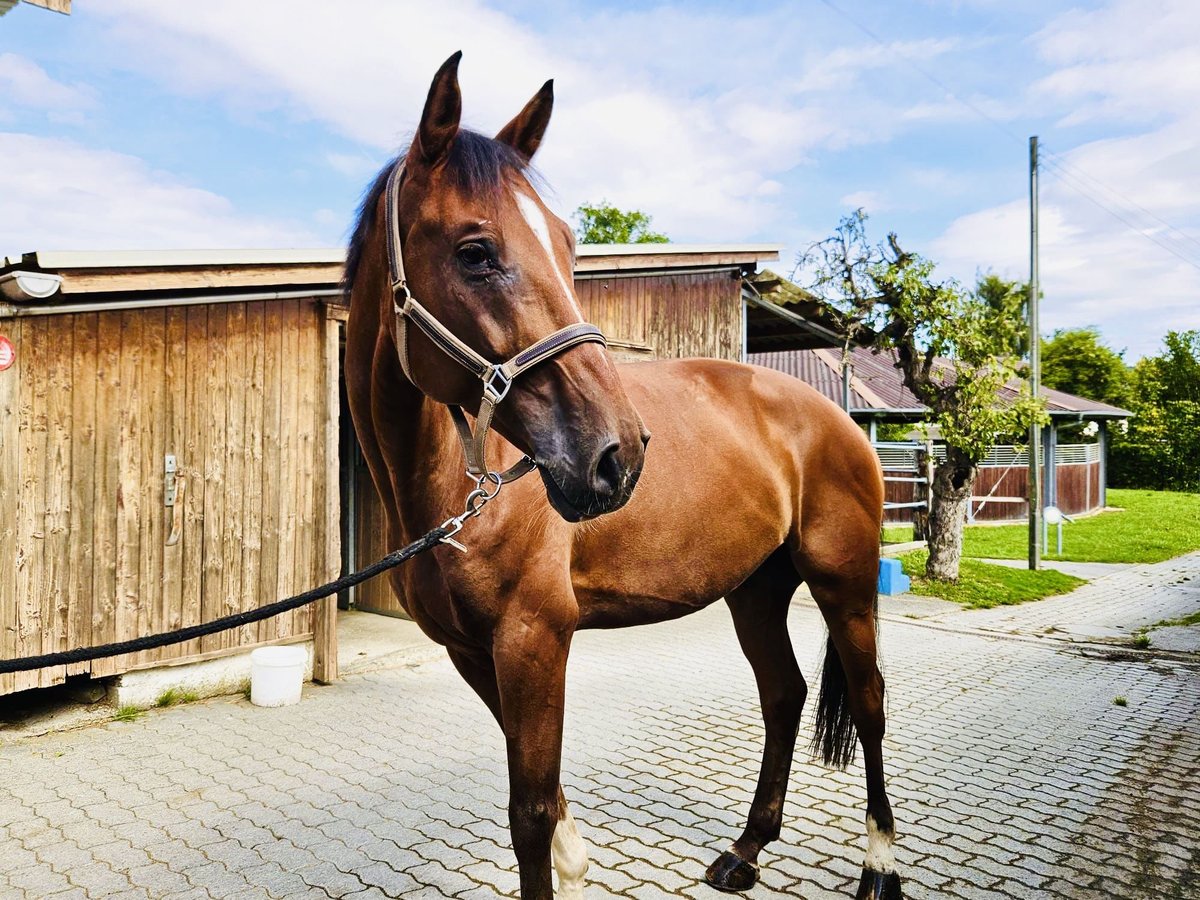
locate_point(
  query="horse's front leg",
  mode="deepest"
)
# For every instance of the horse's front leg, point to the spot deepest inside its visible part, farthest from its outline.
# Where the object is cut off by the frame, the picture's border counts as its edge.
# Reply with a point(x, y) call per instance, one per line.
point(567, 849)
point(530, 653)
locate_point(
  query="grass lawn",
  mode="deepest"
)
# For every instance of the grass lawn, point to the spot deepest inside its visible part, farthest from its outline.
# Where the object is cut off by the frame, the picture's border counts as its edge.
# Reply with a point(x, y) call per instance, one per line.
point(1150, 526)
point(984, 585)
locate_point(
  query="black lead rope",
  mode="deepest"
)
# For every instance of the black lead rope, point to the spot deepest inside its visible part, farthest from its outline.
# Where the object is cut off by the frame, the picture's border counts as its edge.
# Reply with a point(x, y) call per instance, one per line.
point(83, 654)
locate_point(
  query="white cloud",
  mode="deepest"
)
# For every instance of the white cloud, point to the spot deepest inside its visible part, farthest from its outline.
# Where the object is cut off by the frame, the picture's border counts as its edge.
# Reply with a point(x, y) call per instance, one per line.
point(364, 68)
point(871, 201)
point(944, 182)
point(1130, 60)
point(964, 109)
point(835, 69)
point(1093, 270)
point(699, 118)
point(355, 165)
point(24, 83)
point(1132, 63)
point(701, 147)
point(59, 195)
point(329, 218)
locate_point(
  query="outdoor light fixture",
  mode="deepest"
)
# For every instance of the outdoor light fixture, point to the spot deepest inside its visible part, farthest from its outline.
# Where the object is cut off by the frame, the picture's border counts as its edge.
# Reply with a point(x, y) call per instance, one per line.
point(29, 285)
point(1052, 515)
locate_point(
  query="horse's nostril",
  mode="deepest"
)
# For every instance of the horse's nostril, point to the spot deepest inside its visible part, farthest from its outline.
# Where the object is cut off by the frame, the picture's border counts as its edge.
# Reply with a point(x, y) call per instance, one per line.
point(645, 439)
point(606, 478)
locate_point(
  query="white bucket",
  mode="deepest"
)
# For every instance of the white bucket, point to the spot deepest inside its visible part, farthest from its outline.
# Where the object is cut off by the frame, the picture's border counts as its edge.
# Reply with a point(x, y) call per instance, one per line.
point(276, 675)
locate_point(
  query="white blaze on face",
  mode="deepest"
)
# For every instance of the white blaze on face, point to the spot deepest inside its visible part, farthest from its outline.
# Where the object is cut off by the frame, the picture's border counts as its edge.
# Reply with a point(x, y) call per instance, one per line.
point(532, 211)
point(879, 849)
point(569, 853)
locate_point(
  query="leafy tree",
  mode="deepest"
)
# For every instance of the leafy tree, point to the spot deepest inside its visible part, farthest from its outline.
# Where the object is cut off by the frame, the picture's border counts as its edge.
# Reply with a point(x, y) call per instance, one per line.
point(893, 431)
point(1161, 449)
point(1074, 360)
point(604, 223)
point(1010, 300)
point(955, 350)
point(1179, 368)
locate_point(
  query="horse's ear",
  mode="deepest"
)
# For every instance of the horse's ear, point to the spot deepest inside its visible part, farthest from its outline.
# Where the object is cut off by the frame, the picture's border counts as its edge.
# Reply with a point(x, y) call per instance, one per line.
point(439, 121)
point(524, 133)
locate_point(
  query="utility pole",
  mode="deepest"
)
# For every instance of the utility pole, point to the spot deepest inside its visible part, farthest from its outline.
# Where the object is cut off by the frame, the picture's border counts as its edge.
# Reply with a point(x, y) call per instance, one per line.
point(1035, 366)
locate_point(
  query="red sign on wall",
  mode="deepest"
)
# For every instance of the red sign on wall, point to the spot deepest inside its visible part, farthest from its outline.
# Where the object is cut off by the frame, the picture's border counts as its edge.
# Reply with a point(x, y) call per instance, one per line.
point(8, 353)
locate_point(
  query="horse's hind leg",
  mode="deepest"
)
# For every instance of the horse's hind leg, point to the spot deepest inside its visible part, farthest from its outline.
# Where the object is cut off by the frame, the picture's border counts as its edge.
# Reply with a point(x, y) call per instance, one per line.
point(760, 607)
point(851, 698)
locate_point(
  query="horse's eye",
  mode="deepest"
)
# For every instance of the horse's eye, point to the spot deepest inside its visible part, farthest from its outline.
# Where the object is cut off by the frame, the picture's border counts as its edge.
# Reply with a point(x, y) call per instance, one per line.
point(474, 256)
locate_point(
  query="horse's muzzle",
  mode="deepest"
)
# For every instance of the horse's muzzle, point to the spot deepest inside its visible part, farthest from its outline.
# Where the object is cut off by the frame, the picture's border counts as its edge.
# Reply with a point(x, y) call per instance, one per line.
point(604, 486)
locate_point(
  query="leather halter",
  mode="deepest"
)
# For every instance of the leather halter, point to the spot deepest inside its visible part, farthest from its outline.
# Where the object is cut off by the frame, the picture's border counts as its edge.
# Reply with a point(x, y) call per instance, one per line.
point(497, 378)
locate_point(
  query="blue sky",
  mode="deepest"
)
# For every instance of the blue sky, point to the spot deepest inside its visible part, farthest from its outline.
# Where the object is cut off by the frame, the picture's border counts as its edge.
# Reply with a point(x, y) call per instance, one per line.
point(138, 123)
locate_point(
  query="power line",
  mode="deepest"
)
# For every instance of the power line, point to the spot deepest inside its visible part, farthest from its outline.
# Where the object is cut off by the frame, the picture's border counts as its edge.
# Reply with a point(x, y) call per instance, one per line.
point(1080, 188)
point(1080, 173)
point(1059, 166)
point(996, 123)
point(1076, 185)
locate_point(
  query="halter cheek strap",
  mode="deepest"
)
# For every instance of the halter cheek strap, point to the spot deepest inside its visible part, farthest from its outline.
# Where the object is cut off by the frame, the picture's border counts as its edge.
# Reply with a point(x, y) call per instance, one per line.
point(497, 378)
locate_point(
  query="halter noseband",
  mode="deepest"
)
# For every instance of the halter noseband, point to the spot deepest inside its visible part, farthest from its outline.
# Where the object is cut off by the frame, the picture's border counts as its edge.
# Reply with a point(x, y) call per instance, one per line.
point(497, 378)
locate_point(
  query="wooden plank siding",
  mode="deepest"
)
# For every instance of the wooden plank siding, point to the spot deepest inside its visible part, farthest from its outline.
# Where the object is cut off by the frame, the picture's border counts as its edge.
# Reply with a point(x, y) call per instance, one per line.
point(285, 569)
point(175, 415)
point(328, 499)
point(10, 491)
point(667, 315)
point(374, 595)
point(1078, 492)
point(85, 363)
point(31, 505)
point(239, 393)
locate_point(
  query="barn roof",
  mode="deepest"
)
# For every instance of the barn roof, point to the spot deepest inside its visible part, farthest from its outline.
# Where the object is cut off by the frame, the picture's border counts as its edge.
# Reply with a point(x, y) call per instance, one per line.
point(877, 387)
point(95, 272)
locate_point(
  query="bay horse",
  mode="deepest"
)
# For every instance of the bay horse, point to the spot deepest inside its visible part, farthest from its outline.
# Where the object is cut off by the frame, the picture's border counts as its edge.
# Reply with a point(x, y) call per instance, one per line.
point(753, 482)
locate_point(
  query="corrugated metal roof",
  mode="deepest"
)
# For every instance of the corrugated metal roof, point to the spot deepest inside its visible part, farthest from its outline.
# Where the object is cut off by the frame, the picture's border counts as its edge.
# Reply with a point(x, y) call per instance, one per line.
point(877, 386)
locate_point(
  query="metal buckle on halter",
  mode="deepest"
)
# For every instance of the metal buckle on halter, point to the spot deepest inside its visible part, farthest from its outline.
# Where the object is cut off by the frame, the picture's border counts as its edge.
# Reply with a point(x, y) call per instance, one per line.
point(400, 293)
point(476, 500)
point(490, 389)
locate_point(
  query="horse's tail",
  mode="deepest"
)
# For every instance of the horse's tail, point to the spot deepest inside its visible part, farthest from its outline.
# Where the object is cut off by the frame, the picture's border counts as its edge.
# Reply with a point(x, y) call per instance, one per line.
point(836, 737)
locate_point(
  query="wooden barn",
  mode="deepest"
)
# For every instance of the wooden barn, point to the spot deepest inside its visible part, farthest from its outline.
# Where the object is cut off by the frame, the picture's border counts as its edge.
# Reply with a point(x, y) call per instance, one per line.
point(174, 444)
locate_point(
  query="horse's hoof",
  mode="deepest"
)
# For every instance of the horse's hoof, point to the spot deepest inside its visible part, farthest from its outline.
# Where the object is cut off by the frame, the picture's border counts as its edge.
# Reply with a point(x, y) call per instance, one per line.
point(878, 886)
point(731, 873)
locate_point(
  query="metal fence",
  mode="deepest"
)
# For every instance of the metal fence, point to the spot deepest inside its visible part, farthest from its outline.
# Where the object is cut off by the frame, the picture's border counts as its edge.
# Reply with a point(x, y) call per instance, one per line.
point(1001, 487)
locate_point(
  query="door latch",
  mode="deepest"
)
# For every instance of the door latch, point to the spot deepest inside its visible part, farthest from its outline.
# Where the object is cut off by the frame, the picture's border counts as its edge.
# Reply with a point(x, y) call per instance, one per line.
point(169, 484)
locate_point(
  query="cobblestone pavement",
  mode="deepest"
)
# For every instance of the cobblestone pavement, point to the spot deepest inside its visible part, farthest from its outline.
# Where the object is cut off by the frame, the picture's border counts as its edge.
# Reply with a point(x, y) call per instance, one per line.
point(1012, 771)
point(1112, 606)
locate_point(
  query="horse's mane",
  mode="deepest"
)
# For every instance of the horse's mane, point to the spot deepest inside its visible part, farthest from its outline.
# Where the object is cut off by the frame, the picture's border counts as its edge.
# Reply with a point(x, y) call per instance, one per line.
point(476, 163)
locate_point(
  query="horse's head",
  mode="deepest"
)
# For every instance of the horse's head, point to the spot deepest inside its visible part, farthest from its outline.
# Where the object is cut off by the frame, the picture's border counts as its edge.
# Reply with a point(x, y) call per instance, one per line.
point(487, 258)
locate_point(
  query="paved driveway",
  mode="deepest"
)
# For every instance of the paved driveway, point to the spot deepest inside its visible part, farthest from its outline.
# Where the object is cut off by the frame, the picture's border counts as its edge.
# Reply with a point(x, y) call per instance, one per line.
point(1012, 772)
